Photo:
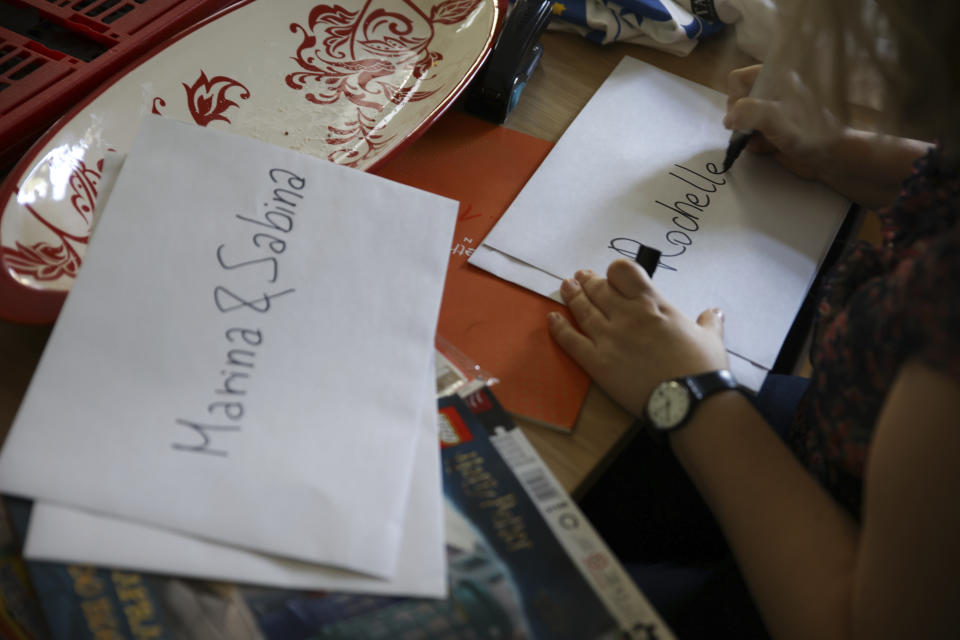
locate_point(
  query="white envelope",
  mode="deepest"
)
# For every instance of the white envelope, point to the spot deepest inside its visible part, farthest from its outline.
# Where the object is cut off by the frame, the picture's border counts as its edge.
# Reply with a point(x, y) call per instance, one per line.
point(241, 356)
point(111, 542)
point(642, 163)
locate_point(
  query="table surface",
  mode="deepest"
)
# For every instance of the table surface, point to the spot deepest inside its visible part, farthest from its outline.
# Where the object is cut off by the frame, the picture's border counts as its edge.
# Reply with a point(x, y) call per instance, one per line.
point(569, 73)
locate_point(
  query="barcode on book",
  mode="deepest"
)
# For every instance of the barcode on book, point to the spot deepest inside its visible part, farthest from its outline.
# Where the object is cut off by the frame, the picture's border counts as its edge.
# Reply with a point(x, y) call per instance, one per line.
point(528, 468)
point(539, 485)
point(511, 450)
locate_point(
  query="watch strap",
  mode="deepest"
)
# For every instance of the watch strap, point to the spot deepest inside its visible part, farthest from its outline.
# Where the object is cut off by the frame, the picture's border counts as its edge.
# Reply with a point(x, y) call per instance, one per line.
point(704, 384)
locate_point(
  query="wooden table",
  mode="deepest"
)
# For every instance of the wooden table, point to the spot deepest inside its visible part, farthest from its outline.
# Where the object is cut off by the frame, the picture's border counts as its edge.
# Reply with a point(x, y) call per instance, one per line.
point(570, 72)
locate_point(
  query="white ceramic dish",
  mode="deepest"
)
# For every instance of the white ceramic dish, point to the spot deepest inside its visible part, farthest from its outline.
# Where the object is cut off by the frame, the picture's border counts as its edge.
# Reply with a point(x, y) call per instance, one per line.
point(351, 82)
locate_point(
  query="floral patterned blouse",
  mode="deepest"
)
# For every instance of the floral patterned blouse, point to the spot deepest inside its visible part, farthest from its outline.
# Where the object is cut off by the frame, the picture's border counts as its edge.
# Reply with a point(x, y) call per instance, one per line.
point(882, 306)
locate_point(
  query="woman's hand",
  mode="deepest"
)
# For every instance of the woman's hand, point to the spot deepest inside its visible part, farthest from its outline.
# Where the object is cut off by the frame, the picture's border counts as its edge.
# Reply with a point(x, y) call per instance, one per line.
point(629, 339)
point(864, 166)
point(776, 132)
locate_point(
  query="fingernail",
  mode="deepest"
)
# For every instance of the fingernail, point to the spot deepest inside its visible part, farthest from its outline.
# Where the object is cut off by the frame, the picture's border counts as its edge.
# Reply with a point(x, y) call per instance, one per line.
point(583, 273)
point(570, 285)
point(553, 317)
point(718, 312)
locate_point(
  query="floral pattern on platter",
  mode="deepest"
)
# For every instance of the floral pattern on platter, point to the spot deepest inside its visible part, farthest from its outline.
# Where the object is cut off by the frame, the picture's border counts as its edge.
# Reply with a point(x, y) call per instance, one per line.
point(207, 98)
point(47, 262)
point(347, 80)
point(373, 57)
point(207, 101)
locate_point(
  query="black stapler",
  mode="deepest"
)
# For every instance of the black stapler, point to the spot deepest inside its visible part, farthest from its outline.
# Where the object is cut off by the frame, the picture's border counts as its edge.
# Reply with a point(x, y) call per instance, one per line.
point(495, 91)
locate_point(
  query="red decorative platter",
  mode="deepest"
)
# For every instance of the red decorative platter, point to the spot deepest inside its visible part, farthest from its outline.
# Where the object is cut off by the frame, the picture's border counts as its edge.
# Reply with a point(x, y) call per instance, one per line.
point(351, 82)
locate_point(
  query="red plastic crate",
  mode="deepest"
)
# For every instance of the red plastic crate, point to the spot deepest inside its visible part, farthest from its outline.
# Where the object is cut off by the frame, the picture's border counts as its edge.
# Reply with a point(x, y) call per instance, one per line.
point(39, 82)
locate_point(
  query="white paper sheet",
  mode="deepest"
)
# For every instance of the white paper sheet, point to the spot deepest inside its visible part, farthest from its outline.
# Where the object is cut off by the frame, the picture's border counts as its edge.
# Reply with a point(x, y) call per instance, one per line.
point(110, 542)
point(205, 285)
point(641, 164)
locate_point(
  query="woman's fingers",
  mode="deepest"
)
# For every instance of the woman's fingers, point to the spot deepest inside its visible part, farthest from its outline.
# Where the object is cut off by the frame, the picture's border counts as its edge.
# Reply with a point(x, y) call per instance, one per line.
point(590, 318)
point(626, 284)
point(779, 136)
point(628, 279)
point(712, 319)
point(596, 289)
point(750, 114)
point(578, 346)
point(760, 144)
point(740, 82)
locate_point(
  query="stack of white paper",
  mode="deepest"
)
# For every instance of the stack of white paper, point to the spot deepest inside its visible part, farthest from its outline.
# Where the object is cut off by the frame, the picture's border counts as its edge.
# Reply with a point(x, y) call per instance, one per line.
point(642, 164)
point(240, 384)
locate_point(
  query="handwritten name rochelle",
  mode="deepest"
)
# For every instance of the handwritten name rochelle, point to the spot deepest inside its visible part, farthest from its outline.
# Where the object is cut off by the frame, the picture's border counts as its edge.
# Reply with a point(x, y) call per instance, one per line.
point(259, 270)
point(684, 212)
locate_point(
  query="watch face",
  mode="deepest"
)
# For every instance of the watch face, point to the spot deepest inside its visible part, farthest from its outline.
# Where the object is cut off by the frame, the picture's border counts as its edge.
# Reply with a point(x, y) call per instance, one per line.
point(669, 404)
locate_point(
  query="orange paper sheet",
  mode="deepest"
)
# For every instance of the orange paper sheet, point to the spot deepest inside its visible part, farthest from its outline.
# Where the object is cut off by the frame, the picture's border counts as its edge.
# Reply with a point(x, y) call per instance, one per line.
point(499, 325)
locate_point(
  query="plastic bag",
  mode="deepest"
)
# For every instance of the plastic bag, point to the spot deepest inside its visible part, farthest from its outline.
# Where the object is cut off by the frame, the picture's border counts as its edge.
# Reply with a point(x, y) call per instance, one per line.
point(457, 372)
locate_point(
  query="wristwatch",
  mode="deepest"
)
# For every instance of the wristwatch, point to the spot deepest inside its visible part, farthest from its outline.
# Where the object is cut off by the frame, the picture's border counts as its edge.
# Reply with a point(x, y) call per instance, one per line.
point(673, 402)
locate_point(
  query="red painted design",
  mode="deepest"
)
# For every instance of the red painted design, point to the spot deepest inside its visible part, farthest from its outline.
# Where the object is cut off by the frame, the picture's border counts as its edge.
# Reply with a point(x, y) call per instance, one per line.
point(357, 140)
point(157, 103)
point(207, 98)
point(45, 261)
point(83, 181)
point(367, 57)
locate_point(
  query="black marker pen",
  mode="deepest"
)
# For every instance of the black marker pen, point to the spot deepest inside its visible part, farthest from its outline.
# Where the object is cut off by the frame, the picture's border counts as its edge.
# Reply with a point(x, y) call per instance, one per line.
point(648, 257)
point(738, 141)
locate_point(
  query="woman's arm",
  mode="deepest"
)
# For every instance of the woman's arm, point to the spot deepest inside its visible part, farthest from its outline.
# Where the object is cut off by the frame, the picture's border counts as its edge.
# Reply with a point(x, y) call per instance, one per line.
point(908, 564)
point(794, 545)
point(868, 167)
point(812, 571)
